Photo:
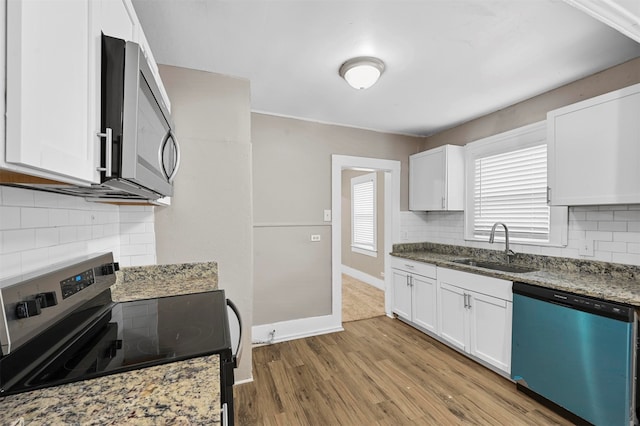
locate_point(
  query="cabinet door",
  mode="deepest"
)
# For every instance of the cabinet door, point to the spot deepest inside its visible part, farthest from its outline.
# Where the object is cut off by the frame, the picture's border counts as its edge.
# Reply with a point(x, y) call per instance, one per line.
point(52, 83)
point(401, 294)
point(594, 150)
point(490, 330)
point(452, 314)
point(424, 302)
point(426, 180)
point(118, 19)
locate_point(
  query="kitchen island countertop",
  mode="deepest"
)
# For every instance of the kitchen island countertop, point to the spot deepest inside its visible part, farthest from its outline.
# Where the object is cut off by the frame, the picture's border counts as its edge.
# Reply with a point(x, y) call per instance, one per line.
point(181, 393)
point(602, 280)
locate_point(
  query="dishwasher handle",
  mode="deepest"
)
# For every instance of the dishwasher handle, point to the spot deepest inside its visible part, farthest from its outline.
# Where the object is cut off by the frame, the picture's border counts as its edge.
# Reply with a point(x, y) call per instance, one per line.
point(592, 305)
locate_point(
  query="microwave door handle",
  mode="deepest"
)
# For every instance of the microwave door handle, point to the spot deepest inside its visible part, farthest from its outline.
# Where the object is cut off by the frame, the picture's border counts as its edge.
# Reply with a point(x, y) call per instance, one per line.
point(108, 150)
point(176, 148)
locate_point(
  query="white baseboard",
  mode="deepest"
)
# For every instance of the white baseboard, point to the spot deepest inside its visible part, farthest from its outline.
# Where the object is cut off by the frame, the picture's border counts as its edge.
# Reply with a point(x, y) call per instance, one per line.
point(295, 329)
point(243, 381)
point(359, 275)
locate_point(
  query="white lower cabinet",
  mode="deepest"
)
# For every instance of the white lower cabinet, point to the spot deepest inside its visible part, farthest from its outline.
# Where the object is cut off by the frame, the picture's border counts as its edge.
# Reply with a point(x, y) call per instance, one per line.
point(414, 293)
point(475, 314)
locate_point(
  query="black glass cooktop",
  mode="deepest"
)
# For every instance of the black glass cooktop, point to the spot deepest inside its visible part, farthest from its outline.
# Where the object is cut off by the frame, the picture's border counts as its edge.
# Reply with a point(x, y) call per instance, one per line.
point(138, 334)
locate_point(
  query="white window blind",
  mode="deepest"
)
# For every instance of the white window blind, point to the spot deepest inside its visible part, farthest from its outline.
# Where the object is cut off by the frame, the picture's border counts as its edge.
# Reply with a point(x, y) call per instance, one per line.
point(363, 212)
point(511, 187)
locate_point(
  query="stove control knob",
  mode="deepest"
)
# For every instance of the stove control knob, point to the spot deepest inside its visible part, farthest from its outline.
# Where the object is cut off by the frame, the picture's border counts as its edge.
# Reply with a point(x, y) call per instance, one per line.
point(47, 299)
point(28, 308)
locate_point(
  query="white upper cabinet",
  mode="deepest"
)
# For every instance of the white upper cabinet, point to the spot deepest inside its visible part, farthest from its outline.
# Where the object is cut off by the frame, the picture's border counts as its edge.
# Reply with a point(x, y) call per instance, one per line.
point(594, 150)
point(53, 83)
point(118, 19)
point(51, 95)
point(436, 179)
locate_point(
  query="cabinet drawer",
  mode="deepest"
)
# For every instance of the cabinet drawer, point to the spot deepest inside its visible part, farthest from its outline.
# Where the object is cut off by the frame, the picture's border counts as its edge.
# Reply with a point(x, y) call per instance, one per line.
point(419, 268)
point(490, 286)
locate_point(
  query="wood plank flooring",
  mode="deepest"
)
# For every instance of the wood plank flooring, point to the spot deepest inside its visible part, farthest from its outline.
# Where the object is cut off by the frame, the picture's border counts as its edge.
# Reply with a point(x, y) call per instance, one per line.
point(379, 371)
point(360, 300)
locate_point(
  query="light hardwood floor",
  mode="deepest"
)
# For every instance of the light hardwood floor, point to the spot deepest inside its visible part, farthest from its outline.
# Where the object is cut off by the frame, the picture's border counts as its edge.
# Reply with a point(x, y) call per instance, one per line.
point(378, 371)
point(360, 300)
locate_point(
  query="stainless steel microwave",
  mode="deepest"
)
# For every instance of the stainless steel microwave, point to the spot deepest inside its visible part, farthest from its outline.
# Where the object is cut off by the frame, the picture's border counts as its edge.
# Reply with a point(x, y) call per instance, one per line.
point(140, 154)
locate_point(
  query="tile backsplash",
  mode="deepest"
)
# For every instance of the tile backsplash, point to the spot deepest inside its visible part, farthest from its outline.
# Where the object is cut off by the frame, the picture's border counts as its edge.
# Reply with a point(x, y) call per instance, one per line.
point(605, 233)
point(40, 228)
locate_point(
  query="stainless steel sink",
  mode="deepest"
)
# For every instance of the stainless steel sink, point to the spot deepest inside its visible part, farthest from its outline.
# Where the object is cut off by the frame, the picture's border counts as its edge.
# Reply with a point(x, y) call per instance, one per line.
point(504, 267)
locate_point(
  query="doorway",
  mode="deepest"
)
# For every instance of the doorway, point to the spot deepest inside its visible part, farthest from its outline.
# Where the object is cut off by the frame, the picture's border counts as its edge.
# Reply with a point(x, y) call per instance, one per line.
point(391, 180)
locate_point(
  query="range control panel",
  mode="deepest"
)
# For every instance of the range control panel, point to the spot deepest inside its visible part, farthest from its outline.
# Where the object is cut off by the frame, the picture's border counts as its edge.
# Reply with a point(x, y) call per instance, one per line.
point(76, 283)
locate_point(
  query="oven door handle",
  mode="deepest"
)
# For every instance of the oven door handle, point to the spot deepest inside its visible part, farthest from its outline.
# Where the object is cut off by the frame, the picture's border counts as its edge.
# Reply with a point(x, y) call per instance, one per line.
point(238, 353)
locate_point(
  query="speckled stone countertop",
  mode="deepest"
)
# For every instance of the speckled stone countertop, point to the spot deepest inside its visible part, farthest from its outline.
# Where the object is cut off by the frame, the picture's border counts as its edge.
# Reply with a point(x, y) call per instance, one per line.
point(608, 281)
point(143, 282)
point(178, 393)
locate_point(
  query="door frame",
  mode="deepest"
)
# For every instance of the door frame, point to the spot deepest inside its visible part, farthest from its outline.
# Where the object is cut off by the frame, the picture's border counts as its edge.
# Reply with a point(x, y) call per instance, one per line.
point(391, 222)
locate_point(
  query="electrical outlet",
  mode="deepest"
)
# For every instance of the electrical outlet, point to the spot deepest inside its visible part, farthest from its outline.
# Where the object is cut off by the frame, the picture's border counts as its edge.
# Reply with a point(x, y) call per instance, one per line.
point(586, 248)
point(315, 237)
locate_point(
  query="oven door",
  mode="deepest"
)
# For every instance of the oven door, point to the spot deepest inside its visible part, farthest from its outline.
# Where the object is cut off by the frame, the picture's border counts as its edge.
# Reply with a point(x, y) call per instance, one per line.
point(150, 151)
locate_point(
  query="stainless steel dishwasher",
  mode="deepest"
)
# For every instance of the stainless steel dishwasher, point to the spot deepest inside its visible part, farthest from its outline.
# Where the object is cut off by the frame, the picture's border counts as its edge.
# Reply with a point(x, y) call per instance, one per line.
point(577, 352)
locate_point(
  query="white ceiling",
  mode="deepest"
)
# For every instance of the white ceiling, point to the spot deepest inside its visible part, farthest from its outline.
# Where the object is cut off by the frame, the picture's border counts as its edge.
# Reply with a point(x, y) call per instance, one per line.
point(447, 61)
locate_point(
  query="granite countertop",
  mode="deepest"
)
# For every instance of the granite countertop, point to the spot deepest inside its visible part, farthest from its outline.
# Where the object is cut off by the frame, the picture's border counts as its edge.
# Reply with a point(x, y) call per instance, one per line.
point(143, 282)
point(608, 281)
point(179, 393)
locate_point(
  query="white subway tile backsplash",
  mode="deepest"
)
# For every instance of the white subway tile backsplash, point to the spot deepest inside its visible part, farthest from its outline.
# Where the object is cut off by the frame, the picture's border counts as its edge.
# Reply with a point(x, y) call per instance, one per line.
point(133, 228)
point(17, 240)
point(613, 247)
point(628, 237)
point(9, 217)
point(38, 229)
point(68, 234)
point(599, 215)
point(10, 264)
point(614, 232)
point(34, 217)
point(628, 258)
point(47, 199)
point(627, 215)
point(47, 237)
point(17, 197)
point(612, 226)
point(58, 217)
point(146, 238)
point(599, 235)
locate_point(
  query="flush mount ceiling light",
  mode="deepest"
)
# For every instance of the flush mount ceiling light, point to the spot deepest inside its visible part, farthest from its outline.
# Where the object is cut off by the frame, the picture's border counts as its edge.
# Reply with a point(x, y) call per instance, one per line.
point(362, 72)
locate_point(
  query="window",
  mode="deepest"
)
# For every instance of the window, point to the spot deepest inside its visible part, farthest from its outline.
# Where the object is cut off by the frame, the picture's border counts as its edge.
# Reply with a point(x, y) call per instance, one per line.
point(507, 182)
point(363, 214)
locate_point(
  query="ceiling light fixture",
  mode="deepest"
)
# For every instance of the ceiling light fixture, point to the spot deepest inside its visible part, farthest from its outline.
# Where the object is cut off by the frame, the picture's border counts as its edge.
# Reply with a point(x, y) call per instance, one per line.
point(362, 72)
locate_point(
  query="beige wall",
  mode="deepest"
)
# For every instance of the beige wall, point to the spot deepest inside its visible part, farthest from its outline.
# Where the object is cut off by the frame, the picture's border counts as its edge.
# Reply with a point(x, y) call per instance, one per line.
point(373, 266)
point(210, 216)
point(291, 188)
point(535, 109)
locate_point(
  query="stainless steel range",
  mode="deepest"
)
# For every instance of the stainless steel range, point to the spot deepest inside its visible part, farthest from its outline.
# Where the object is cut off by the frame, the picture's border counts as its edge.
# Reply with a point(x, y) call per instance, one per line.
point(61, 326)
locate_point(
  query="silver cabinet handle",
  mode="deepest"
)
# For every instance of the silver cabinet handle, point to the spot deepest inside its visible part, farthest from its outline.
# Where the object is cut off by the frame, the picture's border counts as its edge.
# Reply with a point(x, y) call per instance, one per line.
point(548, 194)
point(443, 199)
point(409, 266)
point(108, 149)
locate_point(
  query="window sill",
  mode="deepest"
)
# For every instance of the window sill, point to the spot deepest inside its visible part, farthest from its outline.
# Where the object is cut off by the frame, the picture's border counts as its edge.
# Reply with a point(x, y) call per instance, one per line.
point(366, 252)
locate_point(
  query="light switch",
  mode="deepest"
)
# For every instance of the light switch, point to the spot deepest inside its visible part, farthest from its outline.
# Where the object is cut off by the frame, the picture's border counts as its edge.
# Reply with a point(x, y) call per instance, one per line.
point(315, 237)
point(327, 215)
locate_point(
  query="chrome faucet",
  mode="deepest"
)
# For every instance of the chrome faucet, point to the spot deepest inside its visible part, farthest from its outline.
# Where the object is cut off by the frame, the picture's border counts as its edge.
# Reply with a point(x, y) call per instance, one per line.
point(508, 254)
